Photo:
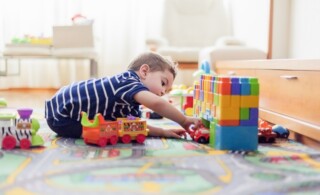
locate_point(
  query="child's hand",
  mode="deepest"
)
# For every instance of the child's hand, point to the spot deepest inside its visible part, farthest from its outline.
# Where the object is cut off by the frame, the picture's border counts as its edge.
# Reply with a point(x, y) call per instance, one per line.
point(191, 121)
point(174, 133)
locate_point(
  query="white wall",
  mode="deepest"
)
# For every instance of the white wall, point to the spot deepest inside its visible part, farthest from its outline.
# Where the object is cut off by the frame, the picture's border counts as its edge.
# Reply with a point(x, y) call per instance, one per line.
point(296, 29)
point(250, 20)
point(304, 41)
point(281, 20)
point(296, 26)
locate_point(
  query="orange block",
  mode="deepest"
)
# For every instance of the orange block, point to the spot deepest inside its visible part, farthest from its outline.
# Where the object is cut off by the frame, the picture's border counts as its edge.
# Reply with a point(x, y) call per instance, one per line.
point(224, 86)
point(228, 122)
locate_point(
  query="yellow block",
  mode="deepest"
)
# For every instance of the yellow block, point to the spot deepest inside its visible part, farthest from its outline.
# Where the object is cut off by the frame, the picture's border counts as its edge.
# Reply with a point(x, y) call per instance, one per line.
point(229, 101)
point(250, 101)
point(227, 113)
point(224, 100)
point(213, 110)
point(235, 101)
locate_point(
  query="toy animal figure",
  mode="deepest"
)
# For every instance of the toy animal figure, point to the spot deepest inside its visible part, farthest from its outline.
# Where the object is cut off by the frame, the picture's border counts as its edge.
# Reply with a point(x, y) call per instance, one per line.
point(19, 131)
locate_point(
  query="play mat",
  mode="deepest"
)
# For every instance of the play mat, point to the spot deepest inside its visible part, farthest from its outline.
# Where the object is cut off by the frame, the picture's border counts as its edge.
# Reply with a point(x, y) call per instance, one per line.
point(159, 166)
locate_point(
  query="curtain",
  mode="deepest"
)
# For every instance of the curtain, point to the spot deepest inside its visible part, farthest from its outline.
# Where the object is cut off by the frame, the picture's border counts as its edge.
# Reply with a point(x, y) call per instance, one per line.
point(120, 28)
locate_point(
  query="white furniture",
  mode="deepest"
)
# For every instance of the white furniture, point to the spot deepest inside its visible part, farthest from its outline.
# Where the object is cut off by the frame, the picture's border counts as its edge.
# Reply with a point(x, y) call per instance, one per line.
point(193, 31)
point(69, 42)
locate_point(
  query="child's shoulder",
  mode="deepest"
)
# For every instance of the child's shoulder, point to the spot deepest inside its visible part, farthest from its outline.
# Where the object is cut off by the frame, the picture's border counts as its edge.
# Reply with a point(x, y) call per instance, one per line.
point(127, 75)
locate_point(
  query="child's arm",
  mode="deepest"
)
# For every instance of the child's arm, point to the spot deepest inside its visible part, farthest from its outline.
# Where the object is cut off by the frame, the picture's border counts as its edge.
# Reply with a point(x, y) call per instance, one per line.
point(160, 132)
point(165, 109)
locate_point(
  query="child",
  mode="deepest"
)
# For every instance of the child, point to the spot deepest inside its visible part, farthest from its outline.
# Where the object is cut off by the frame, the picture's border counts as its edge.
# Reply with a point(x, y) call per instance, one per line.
point(149, 76)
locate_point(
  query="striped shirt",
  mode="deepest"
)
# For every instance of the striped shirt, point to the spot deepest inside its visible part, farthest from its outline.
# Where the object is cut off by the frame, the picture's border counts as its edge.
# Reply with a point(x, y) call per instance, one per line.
point(112, 97)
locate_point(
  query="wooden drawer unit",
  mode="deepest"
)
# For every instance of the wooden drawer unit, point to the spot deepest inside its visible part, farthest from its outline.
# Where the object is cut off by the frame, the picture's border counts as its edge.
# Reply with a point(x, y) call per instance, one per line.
point(289, 91)
point(234, 72)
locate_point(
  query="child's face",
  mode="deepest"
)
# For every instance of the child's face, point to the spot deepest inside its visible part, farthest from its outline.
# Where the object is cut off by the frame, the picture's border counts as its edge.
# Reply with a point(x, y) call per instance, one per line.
point(159, 82)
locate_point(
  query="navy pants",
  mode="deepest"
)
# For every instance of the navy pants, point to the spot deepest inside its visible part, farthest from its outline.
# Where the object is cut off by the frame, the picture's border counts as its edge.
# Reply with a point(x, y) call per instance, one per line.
point(73, 129)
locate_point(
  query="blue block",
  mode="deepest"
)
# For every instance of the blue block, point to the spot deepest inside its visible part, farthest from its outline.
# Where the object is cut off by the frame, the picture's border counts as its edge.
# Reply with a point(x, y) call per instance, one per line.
point(245, 86)
point(235, 86)
point(236, 138)
point(253, 118)
point(201, 98)
point(254, 113)
point(250, 122)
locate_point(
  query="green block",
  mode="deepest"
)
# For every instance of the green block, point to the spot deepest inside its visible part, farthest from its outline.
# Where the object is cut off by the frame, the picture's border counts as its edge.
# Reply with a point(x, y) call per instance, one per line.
point(205, 122)
point(216, 99)
point(212, 138)
point(215, 85)
point(254, 86)
point(244, 113)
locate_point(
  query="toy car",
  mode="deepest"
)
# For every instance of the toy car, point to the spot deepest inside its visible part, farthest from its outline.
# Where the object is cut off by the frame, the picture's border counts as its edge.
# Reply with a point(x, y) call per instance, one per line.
point(265, 133)
point(280, 131)
point(200, 135)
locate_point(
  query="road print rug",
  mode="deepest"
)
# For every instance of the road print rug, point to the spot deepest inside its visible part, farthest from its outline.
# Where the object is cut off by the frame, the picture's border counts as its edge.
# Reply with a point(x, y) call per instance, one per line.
point(159, 166)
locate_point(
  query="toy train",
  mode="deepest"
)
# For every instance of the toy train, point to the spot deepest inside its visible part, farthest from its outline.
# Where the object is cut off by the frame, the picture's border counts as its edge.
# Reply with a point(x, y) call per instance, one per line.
point(19, 131)
point(101, 132)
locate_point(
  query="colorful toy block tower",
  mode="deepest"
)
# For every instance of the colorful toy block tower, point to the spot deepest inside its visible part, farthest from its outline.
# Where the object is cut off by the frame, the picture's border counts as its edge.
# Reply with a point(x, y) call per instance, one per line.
point(231, 105)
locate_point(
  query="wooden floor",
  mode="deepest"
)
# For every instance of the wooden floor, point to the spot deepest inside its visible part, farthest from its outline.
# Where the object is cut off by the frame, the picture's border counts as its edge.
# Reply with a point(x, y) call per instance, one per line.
point(30, 98)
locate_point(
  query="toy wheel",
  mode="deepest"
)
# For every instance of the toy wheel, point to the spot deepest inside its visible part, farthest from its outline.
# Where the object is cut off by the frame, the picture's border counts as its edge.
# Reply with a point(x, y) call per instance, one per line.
point(113, 140)
point(86, 141)
point(285, 135)
point(140, 138)
point(202, 140)
point(9, 142)
point(262, 140)
point(271, 140)
point(25, 144)
point(126, 139)
point(102, 142)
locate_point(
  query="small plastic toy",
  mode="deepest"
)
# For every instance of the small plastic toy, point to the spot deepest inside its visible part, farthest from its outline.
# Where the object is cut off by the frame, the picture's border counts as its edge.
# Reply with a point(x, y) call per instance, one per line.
point(19, 132)
point(186, 98)
point(3, 102)
point(203, 69)
point(101, 132)
point(280, 131)
point(265, 133)
point(200, 135)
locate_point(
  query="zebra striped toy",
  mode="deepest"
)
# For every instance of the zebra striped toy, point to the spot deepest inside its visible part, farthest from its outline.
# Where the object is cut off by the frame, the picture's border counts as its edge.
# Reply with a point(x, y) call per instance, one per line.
point(19, 131)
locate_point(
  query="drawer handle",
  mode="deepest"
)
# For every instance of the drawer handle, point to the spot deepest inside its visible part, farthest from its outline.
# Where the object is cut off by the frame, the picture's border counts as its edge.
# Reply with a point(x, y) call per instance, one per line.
point(231, 73)
point(289, 77)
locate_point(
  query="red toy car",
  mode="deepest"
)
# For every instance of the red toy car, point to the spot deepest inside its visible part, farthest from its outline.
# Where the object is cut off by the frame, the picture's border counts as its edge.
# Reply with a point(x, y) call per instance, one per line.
point(265, 133)
point(200, 135)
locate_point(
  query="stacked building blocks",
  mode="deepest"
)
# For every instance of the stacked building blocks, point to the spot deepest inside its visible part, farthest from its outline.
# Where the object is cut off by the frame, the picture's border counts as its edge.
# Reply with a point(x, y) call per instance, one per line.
point(20, 131)
point(101, 132)
point(230, 104)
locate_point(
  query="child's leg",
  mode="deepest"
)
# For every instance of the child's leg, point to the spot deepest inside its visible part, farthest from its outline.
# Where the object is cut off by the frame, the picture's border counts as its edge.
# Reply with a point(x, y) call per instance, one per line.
point(73, 129)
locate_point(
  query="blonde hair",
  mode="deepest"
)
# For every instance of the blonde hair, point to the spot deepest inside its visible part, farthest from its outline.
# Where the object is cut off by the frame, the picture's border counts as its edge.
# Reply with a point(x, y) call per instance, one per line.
point(155, 61)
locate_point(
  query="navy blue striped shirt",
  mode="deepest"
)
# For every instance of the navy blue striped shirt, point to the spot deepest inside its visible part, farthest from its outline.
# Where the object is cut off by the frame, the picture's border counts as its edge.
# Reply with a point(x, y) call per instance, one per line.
point(112, 97)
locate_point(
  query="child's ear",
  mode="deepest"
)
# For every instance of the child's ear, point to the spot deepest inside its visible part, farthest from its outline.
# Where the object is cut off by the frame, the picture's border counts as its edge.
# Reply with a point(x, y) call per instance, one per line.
point(144, 69)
